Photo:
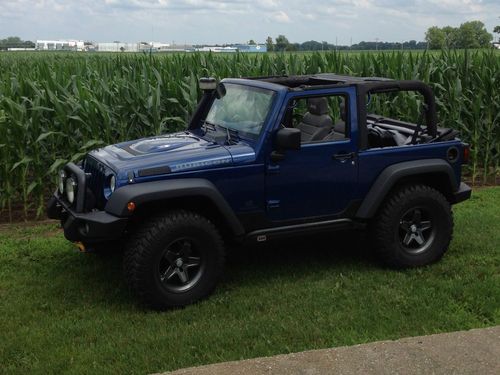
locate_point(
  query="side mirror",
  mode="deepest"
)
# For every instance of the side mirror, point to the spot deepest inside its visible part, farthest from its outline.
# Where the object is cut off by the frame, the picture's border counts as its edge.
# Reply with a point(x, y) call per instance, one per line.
point(220, 91)
point(287, 139)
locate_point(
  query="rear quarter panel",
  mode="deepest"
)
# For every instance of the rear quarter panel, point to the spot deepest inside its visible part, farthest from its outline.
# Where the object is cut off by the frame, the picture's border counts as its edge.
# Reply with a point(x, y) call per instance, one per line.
point(373, 161)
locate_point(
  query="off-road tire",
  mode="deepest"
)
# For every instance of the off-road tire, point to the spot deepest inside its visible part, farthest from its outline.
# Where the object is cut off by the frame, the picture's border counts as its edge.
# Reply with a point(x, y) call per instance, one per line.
point(390, 239)
point(148, 247)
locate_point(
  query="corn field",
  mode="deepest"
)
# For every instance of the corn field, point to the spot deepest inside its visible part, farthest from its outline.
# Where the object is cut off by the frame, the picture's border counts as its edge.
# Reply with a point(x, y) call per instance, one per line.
point(55, 107)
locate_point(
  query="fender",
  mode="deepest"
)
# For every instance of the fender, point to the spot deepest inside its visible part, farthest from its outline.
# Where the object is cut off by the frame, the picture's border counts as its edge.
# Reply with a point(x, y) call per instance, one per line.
point(392, 174)
point(161, 190)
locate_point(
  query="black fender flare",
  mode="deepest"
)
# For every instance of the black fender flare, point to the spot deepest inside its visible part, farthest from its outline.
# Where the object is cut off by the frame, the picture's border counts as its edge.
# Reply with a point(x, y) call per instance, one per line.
point(392, 174)
point(157, 191)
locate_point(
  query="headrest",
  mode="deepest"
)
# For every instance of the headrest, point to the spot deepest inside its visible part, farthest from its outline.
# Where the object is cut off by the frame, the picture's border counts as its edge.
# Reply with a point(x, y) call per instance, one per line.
point(317, 106)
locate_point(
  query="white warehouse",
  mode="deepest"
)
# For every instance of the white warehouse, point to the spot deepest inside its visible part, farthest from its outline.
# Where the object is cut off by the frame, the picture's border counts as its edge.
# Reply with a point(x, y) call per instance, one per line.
point(118, 47)
point(60, 45)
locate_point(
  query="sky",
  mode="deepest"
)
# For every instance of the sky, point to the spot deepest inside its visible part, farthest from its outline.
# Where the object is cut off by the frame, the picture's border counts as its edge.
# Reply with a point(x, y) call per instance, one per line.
point(225, 21)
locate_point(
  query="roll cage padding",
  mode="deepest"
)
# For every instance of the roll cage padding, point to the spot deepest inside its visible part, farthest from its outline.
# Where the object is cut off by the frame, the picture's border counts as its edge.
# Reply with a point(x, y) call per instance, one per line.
point(158, 191)
point(394, 173)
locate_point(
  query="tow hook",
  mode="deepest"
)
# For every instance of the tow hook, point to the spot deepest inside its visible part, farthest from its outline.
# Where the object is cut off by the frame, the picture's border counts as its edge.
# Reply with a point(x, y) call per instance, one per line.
point(81, 247)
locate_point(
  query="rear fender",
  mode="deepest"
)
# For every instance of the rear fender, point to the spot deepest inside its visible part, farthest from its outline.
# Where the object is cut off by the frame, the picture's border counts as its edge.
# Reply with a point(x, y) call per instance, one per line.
point(395, 173)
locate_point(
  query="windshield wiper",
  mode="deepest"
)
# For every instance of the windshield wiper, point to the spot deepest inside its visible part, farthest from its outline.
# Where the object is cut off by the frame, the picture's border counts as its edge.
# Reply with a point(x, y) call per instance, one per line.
point(208, 126)
point(231, 133)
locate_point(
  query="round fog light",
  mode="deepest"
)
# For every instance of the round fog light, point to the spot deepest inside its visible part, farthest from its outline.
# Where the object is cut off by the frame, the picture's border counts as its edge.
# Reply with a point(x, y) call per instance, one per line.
point(70, 189)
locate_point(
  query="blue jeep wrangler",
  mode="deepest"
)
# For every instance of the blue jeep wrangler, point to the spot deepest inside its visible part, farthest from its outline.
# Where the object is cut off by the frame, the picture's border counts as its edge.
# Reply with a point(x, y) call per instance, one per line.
point(264, 158)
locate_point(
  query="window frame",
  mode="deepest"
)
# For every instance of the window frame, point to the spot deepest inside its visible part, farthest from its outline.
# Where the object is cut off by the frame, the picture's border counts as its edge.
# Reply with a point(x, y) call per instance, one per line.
point(344, 95)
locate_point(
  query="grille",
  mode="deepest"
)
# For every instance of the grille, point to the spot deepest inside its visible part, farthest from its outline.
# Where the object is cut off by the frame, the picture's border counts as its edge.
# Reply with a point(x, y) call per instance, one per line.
point(95, 181)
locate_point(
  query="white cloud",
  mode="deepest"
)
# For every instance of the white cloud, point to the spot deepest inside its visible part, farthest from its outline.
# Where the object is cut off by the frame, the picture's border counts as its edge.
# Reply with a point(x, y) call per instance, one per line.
point(219, 21)
point(281, 16)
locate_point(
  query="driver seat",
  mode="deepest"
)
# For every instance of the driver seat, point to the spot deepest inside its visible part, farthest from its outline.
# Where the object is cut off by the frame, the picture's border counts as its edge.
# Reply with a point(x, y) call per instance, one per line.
point(316, 123)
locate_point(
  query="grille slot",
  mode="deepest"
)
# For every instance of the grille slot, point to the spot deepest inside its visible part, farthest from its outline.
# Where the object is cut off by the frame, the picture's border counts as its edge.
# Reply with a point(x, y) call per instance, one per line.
point(96, 180)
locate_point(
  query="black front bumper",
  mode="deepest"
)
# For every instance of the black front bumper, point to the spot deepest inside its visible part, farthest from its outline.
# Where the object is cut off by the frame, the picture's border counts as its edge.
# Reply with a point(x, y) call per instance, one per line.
point(88, 227)
point(463, 193)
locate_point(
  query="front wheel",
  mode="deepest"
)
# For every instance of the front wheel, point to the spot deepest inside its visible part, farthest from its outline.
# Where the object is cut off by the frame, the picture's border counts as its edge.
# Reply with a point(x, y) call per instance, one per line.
point(413, 227)
point(174, 260)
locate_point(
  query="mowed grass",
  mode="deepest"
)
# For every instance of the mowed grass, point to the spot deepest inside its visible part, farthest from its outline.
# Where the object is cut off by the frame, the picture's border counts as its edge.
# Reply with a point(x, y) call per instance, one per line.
point(66, 312)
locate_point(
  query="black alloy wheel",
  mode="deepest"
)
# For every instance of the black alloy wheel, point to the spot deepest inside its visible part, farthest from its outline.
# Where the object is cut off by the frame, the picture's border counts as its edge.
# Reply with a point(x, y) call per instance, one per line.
point(181, 265)
point(416, 231)
point(174, 259)
point(413, 227)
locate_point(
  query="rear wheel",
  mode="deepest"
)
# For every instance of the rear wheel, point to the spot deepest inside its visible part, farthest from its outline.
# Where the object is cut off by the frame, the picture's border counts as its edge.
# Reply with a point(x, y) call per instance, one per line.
point(413, 227)
point(174, 260)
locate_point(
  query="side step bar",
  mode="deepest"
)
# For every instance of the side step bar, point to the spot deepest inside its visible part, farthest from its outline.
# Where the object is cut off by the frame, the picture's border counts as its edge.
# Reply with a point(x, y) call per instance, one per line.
point(263, 235)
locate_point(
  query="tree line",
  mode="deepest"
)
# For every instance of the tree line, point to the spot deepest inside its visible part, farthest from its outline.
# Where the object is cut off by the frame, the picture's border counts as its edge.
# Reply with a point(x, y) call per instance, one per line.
point(15, 42)
point(471, 34)
point(281, 43)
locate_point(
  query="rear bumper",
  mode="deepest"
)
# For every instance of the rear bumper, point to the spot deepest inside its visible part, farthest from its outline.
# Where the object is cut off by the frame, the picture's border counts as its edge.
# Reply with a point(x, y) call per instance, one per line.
point(463, 193)
point(89, 227)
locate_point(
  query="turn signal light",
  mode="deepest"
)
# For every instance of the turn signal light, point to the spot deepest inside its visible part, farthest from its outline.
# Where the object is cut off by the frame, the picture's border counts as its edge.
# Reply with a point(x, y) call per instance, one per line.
point(130, 206)
point(466, 154)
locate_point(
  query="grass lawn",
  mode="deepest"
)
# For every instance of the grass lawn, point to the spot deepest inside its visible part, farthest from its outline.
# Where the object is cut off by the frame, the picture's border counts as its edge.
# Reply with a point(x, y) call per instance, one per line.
point(66, 312)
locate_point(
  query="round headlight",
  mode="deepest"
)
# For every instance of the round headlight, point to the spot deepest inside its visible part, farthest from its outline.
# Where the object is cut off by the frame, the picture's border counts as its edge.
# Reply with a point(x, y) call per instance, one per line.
point(112, 183)
point(62, 177)
point(70, 189)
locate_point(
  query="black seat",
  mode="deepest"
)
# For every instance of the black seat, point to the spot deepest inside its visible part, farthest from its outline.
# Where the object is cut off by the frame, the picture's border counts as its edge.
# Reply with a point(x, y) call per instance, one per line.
point(316, 123)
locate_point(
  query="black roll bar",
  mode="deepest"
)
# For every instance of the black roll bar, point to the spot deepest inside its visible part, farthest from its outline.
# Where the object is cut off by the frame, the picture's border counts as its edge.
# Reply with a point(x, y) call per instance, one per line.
point(422, 88)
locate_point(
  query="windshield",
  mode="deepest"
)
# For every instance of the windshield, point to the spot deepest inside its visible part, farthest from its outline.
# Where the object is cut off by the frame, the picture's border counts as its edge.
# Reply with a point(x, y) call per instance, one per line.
point(243, 109)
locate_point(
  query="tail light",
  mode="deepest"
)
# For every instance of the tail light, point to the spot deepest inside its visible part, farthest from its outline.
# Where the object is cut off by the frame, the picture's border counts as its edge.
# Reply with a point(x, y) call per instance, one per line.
point(465, 153)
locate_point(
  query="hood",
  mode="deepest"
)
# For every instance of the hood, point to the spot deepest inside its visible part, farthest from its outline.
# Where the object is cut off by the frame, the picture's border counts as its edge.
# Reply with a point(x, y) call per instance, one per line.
point(176, 152)
point(162, 144)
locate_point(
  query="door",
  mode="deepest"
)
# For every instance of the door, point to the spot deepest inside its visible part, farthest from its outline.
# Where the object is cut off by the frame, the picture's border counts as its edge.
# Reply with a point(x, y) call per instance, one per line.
point(316, 182)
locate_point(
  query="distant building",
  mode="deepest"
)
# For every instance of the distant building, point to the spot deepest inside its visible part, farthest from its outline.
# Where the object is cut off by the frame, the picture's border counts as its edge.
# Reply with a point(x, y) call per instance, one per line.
point(60, 45)
point(141, 47)
point(21, 49)
point(165, 47)
point(496, 45)
point(118, 47)
point(255, 48)
point(217, 49)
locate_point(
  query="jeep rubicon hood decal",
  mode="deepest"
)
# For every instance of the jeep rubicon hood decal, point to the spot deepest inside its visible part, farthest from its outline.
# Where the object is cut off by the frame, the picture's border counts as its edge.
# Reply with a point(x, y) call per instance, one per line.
point(176, 152)
point(160, 144)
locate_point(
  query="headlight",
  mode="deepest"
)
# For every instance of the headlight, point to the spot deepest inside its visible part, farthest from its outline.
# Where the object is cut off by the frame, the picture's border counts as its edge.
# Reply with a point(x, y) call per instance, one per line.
point(70, 189)
point(109, 186)
point(62, 177)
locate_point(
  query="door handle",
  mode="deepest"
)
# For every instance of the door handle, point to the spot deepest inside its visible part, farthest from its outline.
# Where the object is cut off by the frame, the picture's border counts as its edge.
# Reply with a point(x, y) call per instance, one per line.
point(343, 156)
